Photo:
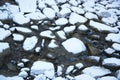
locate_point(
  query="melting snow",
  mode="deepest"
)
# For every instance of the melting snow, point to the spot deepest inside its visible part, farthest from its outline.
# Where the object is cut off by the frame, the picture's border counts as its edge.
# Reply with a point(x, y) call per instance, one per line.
point(74, 45)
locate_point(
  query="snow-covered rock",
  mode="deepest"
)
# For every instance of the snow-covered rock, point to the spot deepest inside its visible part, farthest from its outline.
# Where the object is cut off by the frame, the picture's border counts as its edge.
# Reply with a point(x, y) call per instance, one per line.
point(54, 28)
point(3, 46)
point(50, 2)
point(77, 10)
point(59, 70)
point(34, 27)
point(75, 18)
point(118, 74)
point(40, 77)
point(64, 11)
point(74, 45)
point(69, 29)
point(37, 49)
point(109, 50)
point(18, 37)
point(23, 74)
point(21, 29)
point(61, 21)
point(59, 78)
point(90, 15)
point(15, 78)
point(4, 33)
point(102, 27)
point(27, 5)
point(20, 64)
point(6, 26)
point(61, 1)
point(52, 44)
point(47, 34)
point(111, 61)
point(84, 77)
point(49, 12)
point(61, 34)
point(42, 67)
point(96, 71)
point(1, 24)
point(25, 69)
point(82, 28)
point(69, 69)
point(25, 60)
point(30, 43)
point(4, 15)
point(79, 65)
point(108, 78)
point(116, 46)
point(36, 16)
point(113, 37)
point(73, 2)
point(2, 77)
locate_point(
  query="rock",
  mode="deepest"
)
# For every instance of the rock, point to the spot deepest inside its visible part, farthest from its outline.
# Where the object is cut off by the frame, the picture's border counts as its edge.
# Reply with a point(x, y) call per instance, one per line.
point(18, 37)
point(27, 6)
point(42, 67)
point(69, 29)
point(21, 29)
point(52, 44)
point(49, 12)
point(92, 50)
point(61, 34)
point(113, 37)
point(69, 69)
point(23, 74)
point(47, 34)
point(61, 21)
point(11, 67)
point(108, 78)
point(5, 33)
point(74, 45)
point(102, 27)
point(111, 63)
point(30, 43)
point(84, 77)
point(75, 18)
point(96, 71)
point(109, 50)
point(116, 46)
point(90, 15)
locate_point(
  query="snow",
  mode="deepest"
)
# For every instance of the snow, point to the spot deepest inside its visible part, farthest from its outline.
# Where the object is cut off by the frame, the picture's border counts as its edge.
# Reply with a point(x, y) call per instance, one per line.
point(75, 18)
point(64, 11)
point(40, 77)
point(18, 37)
point(74, 45)
point(96, 71)
point(50, 13)
point(90, 15)
point(37, 49)
point(5, 33)
point(30, 43)
point(25, 69)
point(73, 2)
point(36, 16)
point(54, 28)
point(50, 2)
point(20, 19)
point(61, 21)
point(15, 78)
point(41, 67)
point(61, 34)
point(34, 27)
point(77, 10)
point(21, 29)
point(61, 1)
point(27, 5)
point(20, 64)
point(109, 50)
point(4, 15)
point(113, 37)
point(69, 29)
point(3, 77)
point(41, 4)
point(23, 74)
point(59, 70)
point(55, 8)
point(25, 60)
point(79, 65)
point(102, 27)
point(3, 46)
point(118, 74)
point(108, 78)
point(52, 44)
point(69, 69)
point(1, 24)
point(84, 77)
point(116, 46)
point(83, 28)
point(112, 60)
point(47, 34)
point(6, 26)
point(59, 78)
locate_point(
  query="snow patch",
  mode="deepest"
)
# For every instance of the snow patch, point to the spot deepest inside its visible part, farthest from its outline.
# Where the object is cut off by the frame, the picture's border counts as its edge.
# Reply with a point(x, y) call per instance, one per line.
point(61, 21)
point(18, 37)
point(4, 33)
point(84, 77)
point(3, 46)
point(116, 46)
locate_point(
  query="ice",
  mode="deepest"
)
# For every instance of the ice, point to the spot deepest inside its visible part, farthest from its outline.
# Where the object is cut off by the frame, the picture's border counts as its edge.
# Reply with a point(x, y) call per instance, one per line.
point(69, 29)
point(102, 27)
point(116, 46)
point(49, 12)
point(52, 44)
point(112, 60)
point(75, 18)
point(34, 27)
point(83, 28)
point(47, 34)
point(3, 46)
point(90, 15)
point(77, 10)
point(61, 21)
point(84, 77)
point(18, 37)
point(96, 71)
point(30, 43)
point(36, 16)
point(74, 45)
point(114, 37)
point(20, 19)
point(109, 50)
point(21, 29)
point(41, 67)
point(4, 33)
point(23, 74)
point(69, 69)
point(108, 78)
point(61, 34)
point(27, 5)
